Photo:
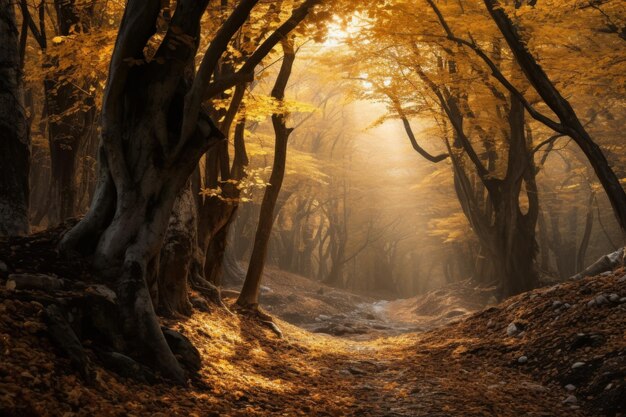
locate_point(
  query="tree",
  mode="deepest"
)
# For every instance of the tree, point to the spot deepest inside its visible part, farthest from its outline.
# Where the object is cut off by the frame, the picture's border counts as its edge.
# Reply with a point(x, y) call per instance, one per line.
point(249, 297)
point(154, 131)
point(569, 122)
point(15, 144)
point(69, 104)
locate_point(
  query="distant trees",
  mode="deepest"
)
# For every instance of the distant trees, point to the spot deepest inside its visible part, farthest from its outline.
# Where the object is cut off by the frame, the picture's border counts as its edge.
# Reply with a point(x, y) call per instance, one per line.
point(15, 141)
point(68, 108)
point(471, 82)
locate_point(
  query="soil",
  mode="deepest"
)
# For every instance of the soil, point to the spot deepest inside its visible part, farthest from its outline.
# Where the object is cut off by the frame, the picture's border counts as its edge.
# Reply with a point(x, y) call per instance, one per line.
point(555, 351)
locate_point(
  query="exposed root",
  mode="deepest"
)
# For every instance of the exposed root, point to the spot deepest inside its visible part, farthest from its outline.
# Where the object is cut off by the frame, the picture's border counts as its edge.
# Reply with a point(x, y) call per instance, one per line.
point(64, 337)
point(209, 291)
point(141, 324)
point(254, 312)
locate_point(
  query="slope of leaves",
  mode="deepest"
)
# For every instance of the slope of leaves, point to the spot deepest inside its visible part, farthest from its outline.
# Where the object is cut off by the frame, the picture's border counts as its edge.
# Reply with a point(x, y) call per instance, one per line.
point(469, 368)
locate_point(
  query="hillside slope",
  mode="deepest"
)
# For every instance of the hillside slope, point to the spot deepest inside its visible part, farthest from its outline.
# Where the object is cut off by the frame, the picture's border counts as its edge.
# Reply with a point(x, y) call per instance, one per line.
point(552, 352)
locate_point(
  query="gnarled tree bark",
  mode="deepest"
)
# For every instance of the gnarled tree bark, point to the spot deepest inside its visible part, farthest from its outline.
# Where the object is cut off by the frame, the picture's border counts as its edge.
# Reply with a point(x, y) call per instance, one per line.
point(144, 162)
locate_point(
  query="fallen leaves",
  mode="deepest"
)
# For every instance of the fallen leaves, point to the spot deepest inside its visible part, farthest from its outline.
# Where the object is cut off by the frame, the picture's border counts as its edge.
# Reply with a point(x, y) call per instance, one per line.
point(468, 368)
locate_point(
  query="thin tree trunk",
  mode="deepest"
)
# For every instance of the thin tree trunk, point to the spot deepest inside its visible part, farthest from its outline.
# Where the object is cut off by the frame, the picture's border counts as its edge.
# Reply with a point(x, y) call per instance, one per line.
point(584, 244)
point(249, 297)
point(517, 230)
point(67, 129)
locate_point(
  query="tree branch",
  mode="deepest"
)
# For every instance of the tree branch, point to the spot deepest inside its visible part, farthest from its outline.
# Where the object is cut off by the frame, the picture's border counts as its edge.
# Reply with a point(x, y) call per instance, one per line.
point(496, 73)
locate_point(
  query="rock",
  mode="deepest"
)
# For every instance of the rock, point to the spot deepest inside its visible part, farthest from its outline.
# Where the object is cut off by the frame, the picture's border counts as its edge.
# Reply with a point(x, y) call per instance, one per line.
point(322, 317)
point(265, 289)
point(34, 282)
point(535, 387)
point(182, 347)
point(570, 387)
point(622, 279)
point(614, 298)
point(3, 267)
point(102, 291)
point(591, 303)
point(356, 371)
point(608, 387)
point(601, 299)
point(578, 365)
point(622, 300)
point(522, 359)
point(571, 399)
point(556, 304)
point(512, 329)
point(454, 313)
point(512, 305)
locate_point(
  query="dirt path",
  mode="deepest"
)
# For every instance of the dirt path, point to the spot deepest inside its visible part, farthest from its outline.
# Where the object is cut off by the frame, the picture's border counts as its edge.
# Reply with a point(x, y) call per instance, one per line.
point(399, 377)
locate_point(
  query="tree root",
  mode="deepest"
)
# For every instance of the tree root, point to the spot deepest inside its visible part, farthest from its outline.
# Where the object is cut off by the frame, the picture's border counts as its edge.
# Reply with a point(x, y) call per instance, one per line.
point(64, 337)
point(96, 316)
point(254, 312)
point(209, 291)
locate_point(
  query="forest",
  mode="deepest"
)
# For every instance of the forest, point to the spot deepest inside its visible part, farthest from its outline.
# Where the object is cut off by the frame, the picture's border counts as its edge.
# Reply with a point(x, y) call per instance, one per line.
point(312, 208)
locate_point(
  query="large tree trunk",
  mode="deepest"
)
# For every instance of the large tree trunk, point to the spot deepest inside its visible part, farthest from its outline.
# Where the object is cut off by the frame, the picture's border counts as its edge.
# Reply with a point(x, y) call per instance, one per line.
point(516, 230)
point(144, 162)
point(507, 236)
point(15, 143)
point(176, 256)
point(249, 297)
point(154, 132)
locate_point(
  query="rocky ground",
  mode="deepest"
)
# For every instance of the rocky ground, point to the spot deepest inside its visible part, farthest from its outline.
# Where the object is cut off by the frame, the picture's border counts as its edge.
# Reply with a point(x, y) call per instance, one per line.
point(322, 309)
point(555, 351)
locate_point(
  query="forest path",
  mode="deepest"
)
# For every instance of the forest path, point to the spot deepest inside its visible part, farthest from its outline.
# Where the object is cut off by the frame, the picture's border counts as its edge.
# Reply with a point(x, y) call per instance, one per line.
point(469, 368)
point(416, 375)
point(566, 356)
point(319, 308)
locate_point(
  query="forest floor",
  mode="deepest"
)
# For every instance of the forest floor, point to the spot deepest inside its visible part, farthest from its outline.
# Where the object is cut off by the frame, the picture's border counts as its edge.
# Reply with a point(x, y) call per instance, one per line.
point(555, 351)
point(323, 309)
